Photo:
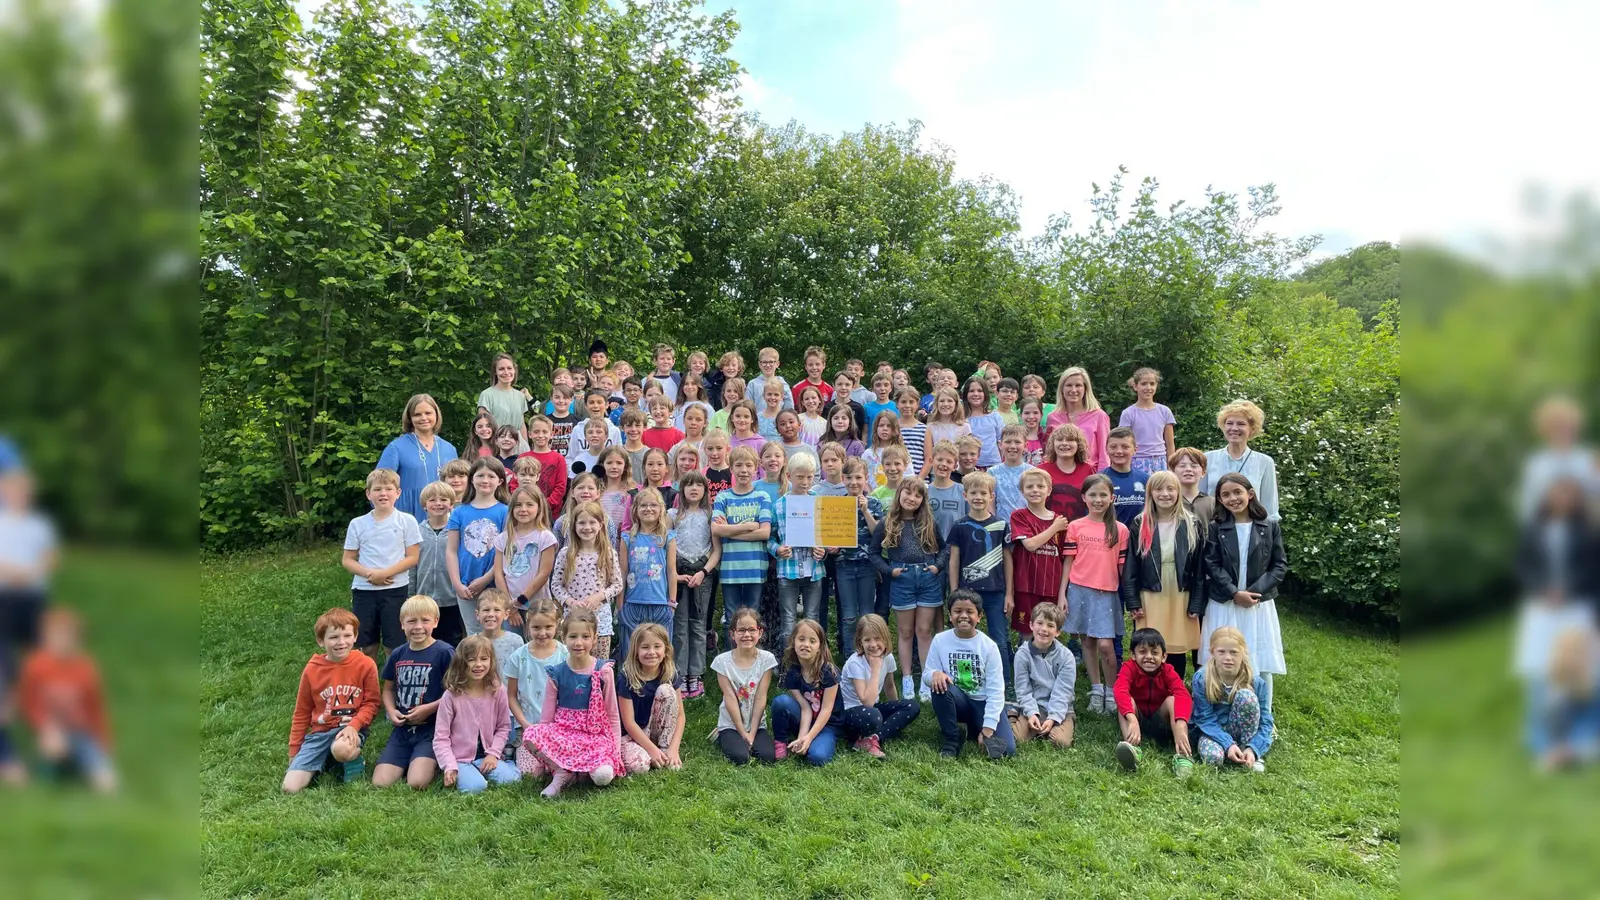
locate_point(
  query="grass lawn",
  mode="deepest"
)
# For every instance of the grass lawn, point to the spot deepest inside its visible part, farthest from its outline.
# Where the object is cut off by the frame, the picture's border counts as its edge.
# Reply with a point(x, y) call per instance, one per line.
point(1324, 821)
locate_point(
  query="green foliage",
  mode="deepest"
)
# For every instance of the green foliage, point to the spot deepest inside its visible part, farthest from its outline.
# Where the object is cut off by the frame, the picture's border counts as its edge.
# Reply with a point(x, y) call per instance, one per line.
point(1362, 279)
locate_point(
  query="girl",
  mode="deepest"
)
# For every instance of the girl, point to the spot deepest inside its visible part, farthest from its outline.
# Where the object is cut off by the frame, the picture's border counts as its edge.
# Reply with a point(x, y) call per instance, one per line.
point(699, 553)
point(585, 489)
point(1166, 566)
point(742, 418)
point(694, 433)
point(908, 552)
point(1096, 548)
point(1232, 705)
point(616, 487)
point(584, 456)
point(946, 422)
point(871, 713)
point(885, 434)
point(774, 471)
point(1038, 536)
point(686, 460)
point(981, 423)
point(658, 475)
point(732, 392)
point(474, 527)
point(1034, 432)
point(1240, 421)
point(482, 439)
point(913, 433)
point(528, 671)
point(473, 714)
point(507, 443)
point(587, 576)
point(501, 399)
point(744, 673)
point(579, 732)
point(691, 395)
point(1189, 465)
point(842, 431)
point(802, 716)
point(812, 424)
point(788, 424)
point(1152, 425)
point(1067, 464)
point(525, 553)
point(649, 567)
point(772, 400)
point(1077, 405)
point(1245, 563)
point(648, 704)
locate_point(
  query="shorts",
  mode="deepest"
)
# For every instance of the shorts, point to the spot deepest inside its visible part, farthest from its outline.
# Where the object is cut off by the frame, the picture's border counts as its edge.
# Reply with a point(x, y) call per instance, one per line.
point(379, 611)
point(316, 748)
point(915, 588)
point(1154, 727)
point(408, 744)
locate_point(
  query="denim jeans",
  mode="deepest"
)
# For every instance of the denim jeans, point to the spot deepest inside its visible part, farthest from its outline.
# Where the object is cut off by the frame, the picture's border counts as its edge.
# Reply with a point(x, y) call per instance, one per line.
point(998, 625)
point(955, 709)
point(858, 584)
point(471, 781)
point(786, 727)
point(797, 597)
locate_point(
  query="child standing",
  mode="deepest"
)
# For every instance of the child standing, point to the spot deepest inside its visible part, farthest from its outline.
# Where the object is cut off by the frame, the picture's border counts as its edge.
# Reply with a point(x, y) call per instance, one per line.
point(732, 392)
point(961, 673)
point(908, 552)
point(433, 576)
point(336, 702)
point(1128, 485)
point(815, 361)
point(1076, 405)
point(1038, 539)
point(946, 500)
point(1096, 549)
point(882, 402)
point(718, 476)
point(812, 423)
point(871, 713)
point(1189, 465)
point(413, 684)
point(1166, 566)
point(803, 716)
point(473, 715)
point(1008, 474)
point(980, 561)
point(583, 457)
point(741, 517)
point(553, 466)
point(1245, 564)
point(661, 434)
point(895, 461)
point(742, 419)
point(913, 432)
point(527, 670)
point(853, 572)
point(1046, 673)
point(1007, 394)
point(648, 705)
point(525, 553)
point(1066, 462)
point(967, 450)
point(475, 528)
point(507, 443)
point(481, 441)
point(579, 730)
point(1034, 388)
point(946, 424)
point(649, 567)
point(380, 547)
point(587, 575)
point(767, 362)
point(1152, 423)
point(789, 434)
point(1232, 705)
point(983, 424)
point(800, 569)
point(458, 474)
point(772, 397)
point(1152, 703)
point(657, 476)
point(744, 674)
point(633, 422)
point(842, 430)
point(694, 435)
point(885, 434)
point(699, 552)
point(617, 484)
point(1033, 431)
point(563, 419)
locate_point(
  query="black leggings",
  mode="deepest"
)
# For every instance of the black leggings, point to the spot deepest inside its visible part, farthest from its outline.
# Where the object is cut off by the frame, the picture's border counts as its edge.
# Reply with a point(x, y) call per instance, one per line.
point(1180, 662)
point(739, 752)
point(886, 720)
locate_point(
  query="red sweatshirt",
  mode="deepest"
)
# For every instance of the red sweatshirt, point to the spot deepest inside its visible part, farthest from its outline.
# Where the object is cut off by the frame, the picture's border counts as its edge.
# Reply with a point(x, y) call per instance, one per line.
point(333, 695)
point(1135, 689)
point(65, 691)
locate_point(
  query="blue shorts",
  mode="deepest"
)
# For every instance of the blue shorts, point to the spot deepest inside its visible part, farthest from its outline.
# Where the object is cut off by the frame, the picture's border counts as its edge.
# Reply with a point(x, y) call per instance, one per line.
point(407, 744)
point(916, 588)
point(315, 750)
point(87, 754)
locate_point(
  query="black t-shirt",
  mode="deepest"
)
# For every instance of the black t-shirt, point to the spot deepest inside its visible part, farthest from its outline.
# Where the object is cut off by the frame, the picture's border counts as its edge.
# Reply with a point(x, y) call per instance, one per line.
point(795, 680)
point(561, 438)
point(643, 699)
point(717, 481)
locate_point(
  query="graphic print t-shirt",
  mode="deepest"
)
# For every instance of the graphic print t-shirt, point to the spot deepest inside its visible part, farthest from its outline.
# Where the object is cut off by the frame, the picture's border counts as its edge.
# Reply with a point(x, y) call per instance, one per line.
point(479, 529)
point(795, 680)
point(418, 675)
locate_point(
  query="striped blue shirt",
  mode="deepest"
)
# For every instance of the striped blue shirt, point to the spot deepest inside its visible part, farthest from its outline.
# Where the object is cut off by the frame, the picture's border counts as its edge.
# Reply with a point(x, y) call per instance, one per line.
point(743, 562)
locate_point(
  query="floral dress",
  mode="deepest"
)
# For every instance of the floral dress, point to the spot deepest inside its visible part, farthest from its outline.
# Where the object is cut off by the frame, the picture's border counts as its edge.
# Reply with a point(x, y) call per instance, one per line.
point(583, 733)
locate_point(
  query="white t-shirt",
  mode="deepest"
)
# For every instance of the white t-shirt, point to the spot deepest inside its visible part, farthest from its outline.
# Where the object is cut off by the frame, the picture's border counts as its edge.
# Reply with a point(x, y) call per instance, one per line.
point(745, 683)
point(532, 674)
point(974, 665)
point(858, 666)
point(381, 544)
point(26, 538)
point(523, 562)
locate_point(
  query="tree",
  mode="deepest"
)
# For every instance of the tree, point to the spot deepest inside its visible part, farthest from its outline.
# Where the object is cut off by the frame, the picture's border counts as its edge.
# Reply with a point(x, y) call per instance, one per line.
point(1362, 279)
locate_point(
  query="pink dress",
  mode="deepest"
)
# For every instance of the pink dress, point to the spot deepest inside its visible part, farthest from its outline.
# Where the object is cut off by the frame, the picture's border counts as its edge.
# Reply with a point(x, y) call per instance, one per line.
point(579, 730)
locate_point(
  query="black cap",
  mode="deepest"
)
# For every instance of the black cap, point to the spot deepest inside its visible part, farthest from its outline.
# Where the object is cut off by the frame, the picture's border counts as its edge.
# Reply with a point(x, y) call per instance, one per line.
point(598, 346)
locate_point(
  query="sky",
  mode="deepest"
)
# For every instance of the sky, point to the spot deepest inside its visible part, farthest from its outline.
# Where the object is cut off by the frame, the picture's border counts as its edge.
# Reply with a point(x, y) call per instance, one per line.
point(1376, 121)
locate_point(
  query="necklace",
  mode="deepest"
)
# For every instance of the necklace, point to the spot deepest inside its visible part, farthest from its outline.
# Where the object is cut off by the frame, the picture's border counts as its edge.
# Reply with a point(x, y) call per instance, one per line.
point(1239, 464)
point(423, 455)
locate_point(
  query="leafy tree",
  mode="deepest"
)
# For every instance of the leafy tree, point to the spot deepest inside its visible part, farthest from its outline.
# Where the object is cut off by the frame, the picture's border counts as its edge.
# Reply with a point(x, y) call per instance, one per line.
point(1363, 279)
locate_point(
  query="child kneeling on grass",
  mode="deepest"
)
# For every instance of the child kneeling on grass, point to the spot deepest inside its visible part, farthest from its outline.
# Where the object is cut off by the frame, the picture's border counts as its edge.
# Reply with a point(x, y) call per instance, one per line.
point(647, 703)
point(337, 701)
point(1232, 705)
point(963, 674)
point(474, 718)
point(413, 685)
point(1152, 702)
point(803, 716)
point(579, 732)
point(1045, 673)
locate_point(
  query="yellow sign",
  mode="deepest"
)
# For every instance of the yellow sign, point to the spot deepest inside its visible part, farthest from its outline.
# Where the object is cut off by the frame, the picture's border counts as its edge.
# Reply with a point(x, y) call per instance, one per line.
point(836, 521)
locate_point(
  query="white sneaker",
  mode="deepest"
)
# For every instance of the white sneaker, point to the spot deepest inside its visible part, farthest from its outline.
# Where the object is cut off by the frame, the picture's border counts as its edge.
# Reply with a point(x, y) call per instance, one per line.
point(907, 686)
point(925, 695)
point(1258, 767)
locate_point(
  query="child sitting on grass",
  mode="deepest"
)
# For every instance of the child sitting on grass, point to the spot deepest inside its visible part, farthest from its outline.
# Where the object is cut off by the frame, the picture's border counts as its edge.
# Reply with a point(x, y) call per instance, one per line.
point(802, 716)
point(963, 673)
point(1046, 673)
point(474, 720)
point(1232, 705)
point(413, 685)
point(1152, 703)
point(337, 699)
point(650, 710)
point(63, 703)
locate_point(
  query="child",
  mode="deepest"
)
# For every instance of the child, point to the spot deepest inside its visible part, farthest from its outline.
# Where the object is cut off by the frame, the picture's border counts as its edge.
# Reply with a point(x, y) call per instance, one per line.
point(1033, 388)
point(800, 569)
point(474, 718)
point(842, 430)
point(686, 461)
point(494, 606)
point(333, 707)
point(815, 360)
point(853, 571)
point(507, 444)
point(844, 388)
point(661, 434)
point(694, 434)
point(718, 476)
point(774, 466)
point(882, 402)
point(1152, 423)
point(812, 424)
point(946, 500)
point(380, 548)
point(732, 392)
point(413, 685)
point(961, 672)
point(595, 406)
point(457, 473)
point(1245, 563)
point(1006, 394)
point(432, 575)
point(693, 391)
point(584, 455)
point(767, 362)
point(657, 475)
point(730, 366)
point(475, 528)
point(633, 422)
point(617, 483)
point(788, 424)
point(1038, 539)
point(983, 424)
point(909, 553)
point(664, 375)
point(885, 434)
point(871, 714)
point(1166, 565)
point(913, 433)
point(968, 448)
point(587, 575)
point(699, 552)
point(1152, 702)
point(744, 673)
point(525, 553)
point(632, 399)
point(900, 380)
point(1096, 548)
point(1033, 432)
point(526, 671)
point(1046, 672)
point(772, 397)
point(1240, 421)
point(741, 517)
point(481, 442)
point(553, 465)
point(831, 457)
point(1008, 474)
point(980, 561)
point(1077, 405)
point(857, 370)
point(1128, 485)
point(1232, 705)
point(803, 716)
point(1189, 465)
point(1066, 462)
point(742, 419)
point(525, 469)
point(501, 399)
point(585, 489)
point(894, 461)
point(648, 705)
point(579, 730)
point(563, 419)
point(1559, 422)
point(649, 567)
point(946, 424)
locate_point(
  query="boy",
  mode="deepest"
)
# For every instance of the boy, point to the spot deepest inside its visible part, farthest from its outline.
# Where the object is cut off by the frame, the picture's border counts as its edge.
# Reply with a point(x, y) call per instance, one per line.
point(843, 388)
point(432, 577)
point(881, 402)
point(1152, 703)
point(1127, 484)
point(930, 374)
point(767, 360)
point(1008, 475)
point(800, 569)
point(587, 443)
point(1046, 672)
point(742, 517)
point(945, 498)
point(413, 683)
point(598, 361)
point(63, 703)
point(661, 434)
point(891, 467)
point(633, 442)
point(596, 404)
point(632, 399)
point(816, 359)
point(664, 375)
point(380, 548)
point(980, 561)
point(563, 418)
point(457, 473)
point(1039, 564)
point(1033, 388)
point(1005, 403)
point(968, 448)
point(718, 476)
point(336, 702)
point(858, 370)
point(561, 377)
point(961, 674)
point(553, 465)
point(494, 607)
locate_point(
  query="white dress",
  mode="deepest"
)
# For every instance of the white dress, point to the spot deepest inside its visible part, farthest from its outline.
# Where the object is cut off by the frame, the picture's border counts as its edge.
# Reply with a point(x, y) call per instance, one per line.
point(1258, 623)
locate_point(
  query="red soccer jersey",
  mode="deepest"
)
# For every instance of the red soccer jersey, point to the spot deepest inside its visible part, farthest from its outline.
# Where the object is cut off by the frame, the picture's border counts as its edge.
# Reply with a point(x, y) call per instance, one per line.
point(1035, 571)
point(1066, 490)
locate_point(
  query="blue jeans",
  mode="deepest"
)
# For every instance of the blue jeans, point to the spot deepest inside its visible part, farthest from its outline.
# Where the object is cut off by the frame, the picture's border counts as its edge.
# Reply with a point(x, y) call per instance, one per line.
point(471, 781)
point(636, 614)
point(786, 727)
point(797, 598)
point(858, 584)
point(880, 604)
point(915, 587)
point(955, 709)
point(998, 624)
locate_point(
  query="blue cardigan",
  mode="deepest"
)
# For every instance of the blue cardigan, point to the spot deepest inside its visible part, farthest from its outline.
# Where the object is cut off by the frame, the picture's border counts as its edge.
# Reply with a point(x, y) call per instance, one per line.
point(1213, 718)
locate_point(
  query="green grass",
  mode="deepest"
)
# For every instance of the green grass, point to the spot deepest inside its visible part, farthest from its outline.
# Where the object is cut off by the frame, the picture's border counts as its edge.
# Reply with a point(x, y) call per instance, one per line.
point(1325, 821)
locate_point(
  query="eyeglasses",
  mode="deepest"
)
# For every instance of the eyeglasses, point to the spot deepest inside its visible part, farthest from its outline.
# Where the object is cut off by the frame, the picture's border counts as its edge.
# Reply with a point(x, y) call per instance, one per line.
point(747, 630)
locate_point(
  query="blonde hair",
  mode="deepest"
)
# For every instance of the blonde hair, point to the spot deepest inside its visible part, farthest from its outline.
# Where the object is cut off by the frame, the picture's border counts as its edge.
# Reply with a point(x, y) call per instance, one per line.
point(983, 481)
point(1140, 373)
point(894, 451)
point(946, 448)
point(743, 454)
point(1218, 690)
point(969, 442)
point(607, 561)
point(731, 356)
point(1067, 430)
point(922, 521)
point(631, 669)
point(955, 418)
point(541, 518)
point(1249, 411)
point(496, 596)
point(870, 626)
point(660, 528)
point(801, 464)
point(454, 467)
point(1034, 473)
point(437, 489)
point(457, 680)
point(1149, 520)
point(411, 407)
point(383, 478)
point(419, 605)
point(1090, 402)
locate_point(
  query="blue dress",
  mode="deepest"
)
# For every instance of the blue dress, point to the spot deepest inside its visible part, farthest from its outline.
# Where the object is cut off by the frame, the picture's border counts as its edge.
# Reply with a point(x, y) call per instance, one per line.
point(417, 467)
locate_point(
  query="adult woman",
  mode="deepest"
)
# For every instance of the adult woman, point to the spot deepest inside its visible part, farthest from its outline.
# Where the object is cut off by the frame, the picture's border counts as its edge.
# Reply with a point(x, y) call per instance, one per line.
point(501, 399)
point(1240, 421)
point(1076, 403)
point(418, 453)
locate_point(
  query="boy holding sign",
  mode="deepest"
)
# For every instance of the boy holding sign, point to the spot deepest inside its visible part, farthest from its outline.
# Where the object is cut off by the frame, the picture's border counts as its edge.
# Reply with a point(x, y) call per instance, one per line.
point(800, 567)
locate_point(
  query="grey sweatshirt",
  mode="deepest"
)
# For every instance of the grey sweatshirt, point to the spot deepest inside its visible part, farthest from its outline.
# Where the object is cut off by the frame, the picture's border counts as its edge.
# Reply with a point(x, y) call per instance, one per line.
point(1044, 681)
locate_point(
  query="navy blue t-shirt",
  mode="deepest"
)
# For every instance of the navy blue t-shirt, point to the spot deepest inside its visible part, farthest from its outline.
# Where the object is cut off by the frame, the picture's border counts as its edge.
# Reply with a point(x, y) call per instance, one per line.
point(418, 675)
point(982, 546)
point(643, 699)
point(794, 679)
point(1128, 489)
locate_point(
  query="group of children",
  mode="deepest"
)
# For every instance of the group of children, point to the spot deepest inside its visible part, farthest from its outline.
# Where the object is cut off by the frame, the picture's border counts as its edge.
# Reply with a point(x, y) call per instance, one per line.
point(501, 610)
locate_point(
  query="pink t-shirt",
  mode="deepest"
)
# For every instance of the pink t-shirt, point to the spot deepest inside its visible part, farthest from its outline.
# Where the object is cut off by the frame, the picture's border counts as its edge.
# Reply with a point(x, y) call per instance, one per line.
point(1095, 565)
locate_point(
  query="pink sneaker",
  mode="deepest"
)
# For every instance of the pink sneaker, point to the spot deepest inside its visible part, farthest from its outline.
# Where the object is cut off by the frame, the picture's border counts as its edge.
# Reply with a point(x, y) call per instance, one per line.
point(871, 747)
point(696, 690)
point(779, 749)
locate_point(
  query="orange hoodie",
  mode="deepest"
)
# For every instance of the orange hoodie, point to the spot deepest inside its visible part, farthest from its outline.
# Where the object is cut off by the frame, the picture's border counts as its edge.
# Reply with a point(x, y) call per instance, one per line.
point(64, 690)
point(333, 695)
